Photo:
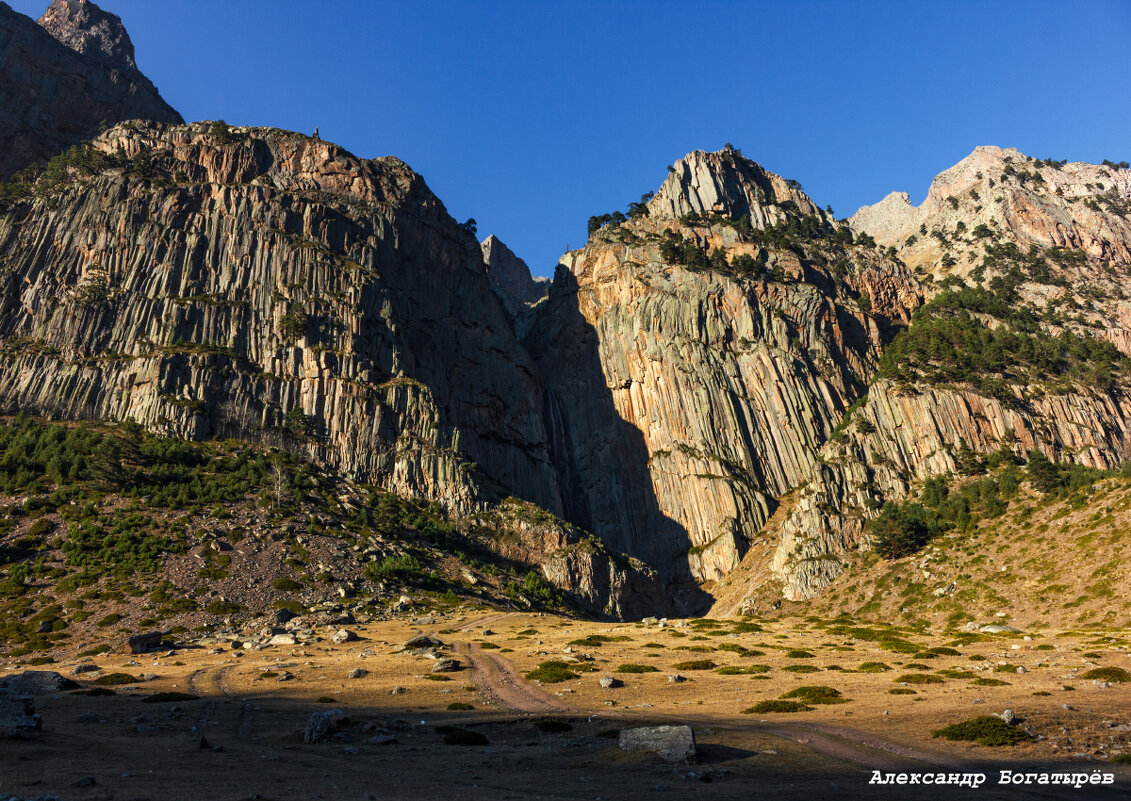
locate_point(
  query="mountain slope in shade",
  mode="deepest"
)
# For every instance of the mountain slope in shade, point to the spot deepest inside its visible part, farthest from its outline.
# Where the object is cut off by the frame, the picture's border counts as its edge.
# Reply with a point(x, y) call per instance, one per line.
point(62, 79)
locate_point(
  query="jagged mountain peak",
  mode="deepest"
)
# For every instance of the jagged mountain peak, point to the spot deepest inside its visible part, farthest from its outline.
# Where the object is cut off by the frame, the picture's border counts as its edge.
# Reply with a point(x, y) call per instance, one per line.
point(510, 276)
point(1000, 195)
point(91, 32)
point(63, 78)
point(728, 183)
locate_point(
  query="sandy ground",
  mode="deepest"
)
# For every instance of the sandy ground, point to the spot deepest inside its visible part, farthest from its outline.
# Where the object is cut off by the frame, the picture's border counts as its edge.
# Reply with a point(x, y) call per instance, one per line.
point(118, 747)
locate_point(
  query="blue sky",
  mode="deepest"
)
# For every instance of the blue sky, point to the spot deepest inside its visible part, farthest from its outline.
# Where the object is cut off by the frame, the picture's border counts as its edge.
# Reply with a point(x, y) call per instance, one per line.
point(531, 116)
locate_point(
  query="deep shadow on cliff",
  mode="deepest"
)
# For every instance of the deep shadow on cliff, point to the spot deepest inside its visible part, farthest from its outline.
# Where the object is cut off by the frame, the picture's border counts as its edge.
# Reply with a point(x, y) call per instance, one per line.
point(63, 79)
point(616, 502)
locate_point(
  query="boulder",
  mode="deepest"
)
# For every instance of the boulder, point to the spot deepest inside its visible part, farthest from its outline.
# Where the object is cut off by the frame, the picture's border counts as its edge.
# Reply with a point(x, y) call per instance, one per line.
point(36, 682)
point(143, 643)
point(446, 666)
point(343, 636)
point(322, 725)
point(609, 682)
point(17, 716)
point(422, 642)
point(670, 743)
point(282, 639)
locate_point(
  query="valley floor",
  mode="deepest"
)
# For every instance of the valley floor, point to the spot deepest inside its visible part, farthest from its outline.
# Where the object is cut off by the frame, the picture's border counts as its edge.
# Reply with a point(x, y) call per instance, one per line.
point(243, 737)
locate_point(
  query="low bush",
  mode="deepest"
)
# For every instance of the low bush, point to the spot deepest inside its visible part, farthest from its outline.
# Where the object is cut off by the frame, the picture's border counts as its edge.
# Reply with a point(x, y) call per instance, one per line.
point(634, 668)
point(817, 694)
point(695, 664)
point(552, 672)
point(775, 705)
point(984, 730)
point(1115, 675)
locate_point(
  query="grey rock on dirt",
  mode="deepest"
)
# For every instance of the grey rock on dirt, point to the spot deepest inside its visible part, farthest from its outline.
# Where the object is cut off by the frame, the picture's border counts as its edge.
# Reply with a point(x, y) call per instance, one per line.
point(670, 743)
point(143, 643)
point(17, 716)
point(322, 725)
point(36, 682)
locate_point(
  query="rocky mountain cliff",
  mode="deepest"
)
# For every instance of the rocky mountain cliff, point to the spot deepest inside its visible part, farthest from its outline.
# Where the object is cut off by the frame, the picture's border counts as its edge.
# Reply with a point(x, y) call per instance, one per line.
point(1024, 263)
point(211, 282)
point(63, 78)
point(207, 281)
point(695, 362)
point(726, 387)
point(511, 278)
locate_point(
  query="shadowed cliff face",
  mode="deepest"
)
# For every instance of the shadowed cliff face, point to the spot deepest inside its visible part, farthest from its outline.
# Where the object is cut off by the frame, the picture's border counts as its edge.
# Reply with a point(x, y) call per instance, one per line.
point(63, 78)
point(266, 285)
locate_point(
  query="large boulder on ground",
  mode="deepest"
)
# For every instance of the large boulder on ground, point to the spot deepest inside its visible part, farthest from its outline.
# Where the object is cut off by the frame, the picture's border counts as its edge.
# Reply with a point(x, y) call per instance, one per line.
point(143, 643)
point(343, 636)
point(36, 682)
point(322, 725)
point(445, 666)
point(422, 642)
point(17, 715)
point(671, 743)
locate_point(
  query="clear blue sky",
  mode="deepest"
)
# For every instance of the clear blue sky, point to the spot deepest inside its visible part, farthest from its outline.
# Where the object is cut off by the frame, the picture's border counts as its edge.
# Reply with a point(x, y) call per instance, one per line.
point(530, 116)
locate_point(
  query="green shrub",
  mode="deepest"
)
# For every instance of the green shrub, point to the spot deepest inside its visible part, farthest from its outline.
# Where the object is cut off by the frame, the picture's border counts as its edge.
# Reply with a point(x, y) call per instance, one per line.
point(115, 679)
point(798, 653)
point(634, 668)
point(1115, 675)
point(920, 678)
point(987, 682)
point(455, 735)
point(873, 667)
point(97, 651)
point(773, 705)
point(552, 672)
point(158, 698)
point(742, 670)
point(817, 694)
point(695, 664)
point(597, 640)
point(459, 706)
point(902, 691)
point(801, 669)
point(402, 566)
point(222, 608)
point(984, 730)
point(286, 584)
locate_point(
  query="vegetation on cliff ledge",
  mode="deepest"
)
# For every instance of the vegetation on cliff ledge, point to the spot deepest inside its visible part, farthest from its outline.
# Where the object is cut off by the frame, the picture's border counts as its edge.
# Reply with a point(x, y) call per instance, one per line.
point(988, 339)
